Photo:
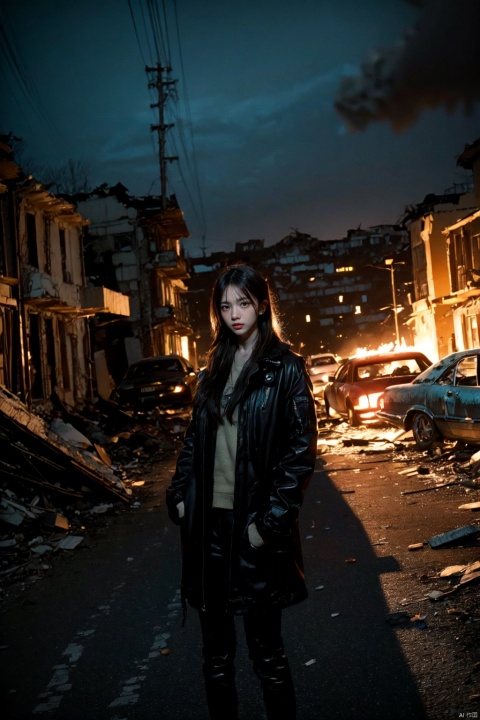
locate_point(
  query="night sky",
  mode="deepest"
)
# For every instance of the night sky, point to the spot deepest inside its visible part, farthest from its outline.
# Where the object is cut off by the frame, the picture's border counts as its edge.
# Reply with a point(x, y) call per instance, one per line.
point(262, 149)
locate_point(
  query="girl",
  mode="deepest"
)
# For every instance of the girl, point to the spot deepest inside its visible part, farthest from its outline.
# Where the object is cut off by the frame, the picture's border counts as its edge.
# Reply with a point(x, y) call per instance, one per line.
point(248, 455)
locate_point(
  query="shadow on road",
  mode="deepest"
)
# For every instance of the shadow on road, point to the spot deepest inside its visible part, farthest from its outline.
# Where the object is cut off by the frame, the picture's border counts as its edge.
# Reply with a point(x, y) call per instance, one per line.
point(359, 670)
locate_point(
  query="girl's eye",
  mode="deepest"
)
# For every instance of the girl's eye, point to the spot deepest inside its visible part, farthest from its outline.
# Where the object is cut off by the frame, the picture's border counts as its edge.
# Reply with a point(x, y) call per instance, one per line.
point(245, 303)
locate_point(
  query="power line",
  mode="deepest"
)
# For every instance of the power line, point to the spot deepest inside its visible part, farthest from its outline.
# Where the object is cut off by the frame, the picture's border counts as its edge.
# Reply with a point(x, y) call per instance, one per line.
point(156, 37)
point(201, 214)
point(21, 75)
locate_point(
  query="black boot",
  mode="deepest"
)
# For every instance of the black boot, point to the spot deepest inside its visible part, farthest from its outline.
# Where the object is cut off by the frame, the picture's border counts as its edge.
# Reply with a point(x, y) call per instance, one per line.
point(277, 686)
point(219, 674)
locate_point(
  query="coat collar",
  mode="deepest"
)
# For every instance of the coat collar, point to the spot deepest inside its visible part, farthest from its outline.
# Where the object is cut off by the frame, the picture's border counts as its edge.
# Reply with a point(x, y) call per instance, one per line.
point(274, 354)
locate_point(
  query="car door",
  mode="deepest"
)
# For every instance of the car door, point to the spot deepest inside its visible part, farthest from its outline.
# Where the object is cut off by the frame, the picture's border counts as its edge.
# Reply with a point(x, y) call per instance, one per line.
point(338, 387)
point(462, 401)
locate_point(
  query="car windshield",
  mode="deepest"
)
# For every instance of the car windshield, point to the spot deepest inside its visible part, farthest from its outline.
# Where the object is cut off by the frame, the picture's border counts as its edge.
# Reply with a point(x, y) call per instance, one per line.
point(154, 367)
point(322, 360)
point(391, 368)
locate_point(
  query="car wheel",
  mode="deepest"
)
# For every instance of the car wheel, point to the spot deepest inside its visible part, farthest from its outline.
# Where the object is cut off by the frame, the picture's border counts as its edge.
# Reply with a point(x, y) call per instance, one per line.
point(424, 431)
point(352, 417)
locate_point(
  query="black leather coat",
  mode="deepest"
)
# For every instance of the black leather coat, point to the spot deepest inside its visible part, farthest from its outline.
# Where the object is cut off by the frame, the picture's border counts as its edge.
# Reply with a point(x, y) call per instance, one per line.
point(276, 452)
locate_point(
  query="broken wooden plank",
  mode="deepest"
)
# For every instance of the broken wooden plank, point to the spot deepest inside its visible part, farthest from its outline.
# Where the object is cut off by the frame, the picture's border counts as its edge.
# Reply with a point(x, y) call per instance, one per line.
point(452, 537)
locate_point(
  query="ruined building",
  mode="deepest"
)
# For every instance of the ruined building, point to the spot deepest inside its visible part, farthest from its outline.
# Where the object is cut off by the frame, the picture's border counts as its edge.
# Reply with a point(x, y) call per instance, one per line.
point(45, 304)
point(445, 238)
point(133, 246)
point(431, 319)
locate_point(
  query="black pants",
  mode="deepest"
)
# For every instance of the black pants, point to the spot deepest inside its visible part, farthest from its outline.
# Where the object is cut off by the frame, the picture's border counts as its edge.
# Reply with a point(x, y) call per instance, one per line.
point(263, 633)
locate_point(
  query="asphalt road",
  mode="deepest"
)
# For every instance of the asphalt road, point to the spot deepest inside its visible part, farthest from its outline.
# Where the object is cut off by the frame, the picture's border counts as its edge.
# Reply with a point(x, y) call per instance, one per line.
point(102, 637)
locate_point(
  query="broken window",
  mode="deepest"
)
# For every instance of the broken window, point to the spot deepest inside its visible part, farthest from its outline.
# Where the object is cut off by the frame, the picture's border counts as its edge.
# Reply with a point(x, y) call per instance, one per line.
point(32, 250)
point(64, 355)
point(476, 252)
point(466, 373)
point(459, 266)
point(35, 357)
point(47, 243)
point(50, 348)
point(123, 241)
point(63, 254)
point(419, 260)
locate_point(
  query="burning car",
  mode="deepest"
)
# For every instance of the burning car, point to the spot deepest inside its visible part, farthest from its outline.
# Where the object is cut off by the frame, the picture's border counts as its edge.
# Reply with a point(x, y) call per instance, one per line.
point(441, 403)
point(354, 390)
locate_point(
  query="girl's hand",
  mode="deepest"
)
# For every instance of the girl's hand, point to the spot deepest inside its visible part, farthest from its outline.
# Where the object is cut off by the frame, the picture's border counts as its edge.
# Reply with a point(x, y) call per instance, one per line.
point(254, 537)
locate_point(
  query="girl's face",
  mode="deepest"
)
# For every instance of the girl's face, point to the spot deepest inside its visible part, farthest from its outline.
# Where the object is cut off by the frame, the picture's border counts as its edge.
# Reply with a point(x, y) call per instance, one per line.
point(239, 313)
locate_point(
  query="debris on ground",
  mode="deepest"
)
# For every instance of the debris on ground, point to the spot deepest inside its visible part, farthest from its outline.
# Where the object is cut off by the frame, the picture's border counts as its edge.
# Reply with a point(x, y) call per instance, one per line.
point(62, 474)
point(405, 619)
point(452, 537)
point(444, 464)
point(470, 506)
point(416, 546)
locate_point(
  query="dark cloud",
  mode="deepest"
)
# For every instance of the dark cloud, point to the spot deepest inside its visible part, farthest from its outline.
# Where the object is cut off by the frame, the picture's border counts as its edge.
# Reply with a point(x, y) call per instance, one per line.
point(438, 63)
point(255, 123)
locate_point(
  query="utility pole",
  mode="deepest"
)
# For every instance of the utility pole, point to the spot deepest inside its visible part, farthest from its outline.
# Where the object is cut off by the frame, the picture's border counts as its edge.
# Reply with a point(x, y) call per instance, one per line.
point(162, 85)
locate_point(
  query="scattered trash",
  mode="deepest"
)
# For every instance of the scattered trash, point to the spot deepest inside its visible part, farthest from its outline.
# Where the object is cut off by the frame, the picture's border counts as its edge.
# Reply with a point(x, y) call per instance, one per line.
point(70, 542)
point(351, 560)
point(62, 473)
point(452, 570)
point(10, 542)
point(470, 506)
point(54, 521)
point(431, 487)
point(404, 619)
point(361, 442)
point(333, 615)
point(101, 509)
point(399, 618)
point(416, 546)
point(320, 587)
point(407, 471)
point(42, 549)
point(310, 662)
point(454, 536)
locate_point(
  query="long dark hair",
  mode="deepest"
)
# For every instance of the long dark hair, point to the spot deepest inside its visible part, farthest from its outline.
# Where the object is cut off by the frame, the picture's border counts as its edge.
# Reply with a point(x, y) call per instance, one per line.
point(222, 350)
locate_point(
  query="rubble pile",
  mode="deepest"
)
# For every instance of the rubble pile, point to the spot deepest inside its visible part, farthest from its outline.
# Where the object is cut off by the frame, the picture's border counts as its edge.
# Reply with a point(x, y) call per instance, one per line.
point(445, 465)
point(62, 475)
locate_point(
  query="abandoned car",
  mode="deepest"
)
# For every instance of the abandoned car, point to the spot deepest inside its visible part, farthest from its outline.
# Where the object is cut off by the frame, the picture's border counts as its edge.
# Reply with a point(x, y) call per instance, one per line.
point(441, 403)
point(320, 367)
point(165, 380)
point(354, 390)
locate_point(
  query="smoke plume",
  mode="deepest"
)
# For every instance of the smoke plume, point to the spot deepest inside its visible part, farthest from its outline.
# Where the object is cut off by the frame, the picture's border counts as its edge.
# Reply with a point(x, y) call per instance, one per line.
point(436, 64)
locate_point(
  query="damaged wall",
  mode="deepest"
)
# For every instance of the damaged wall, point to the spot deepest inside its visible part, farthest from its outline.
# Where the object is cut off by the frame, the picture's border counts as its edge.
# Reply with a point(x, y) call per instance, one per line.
point(431, 322)
point(45, 344)
point(133, 245)
point(55, 328)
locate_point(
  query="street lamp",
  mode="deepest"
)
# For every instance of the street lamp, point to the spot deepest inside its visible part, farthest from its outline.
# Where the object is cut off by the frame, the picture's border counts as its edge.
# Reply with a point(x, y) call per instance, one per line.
point(390, 267)
point(389, 262)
